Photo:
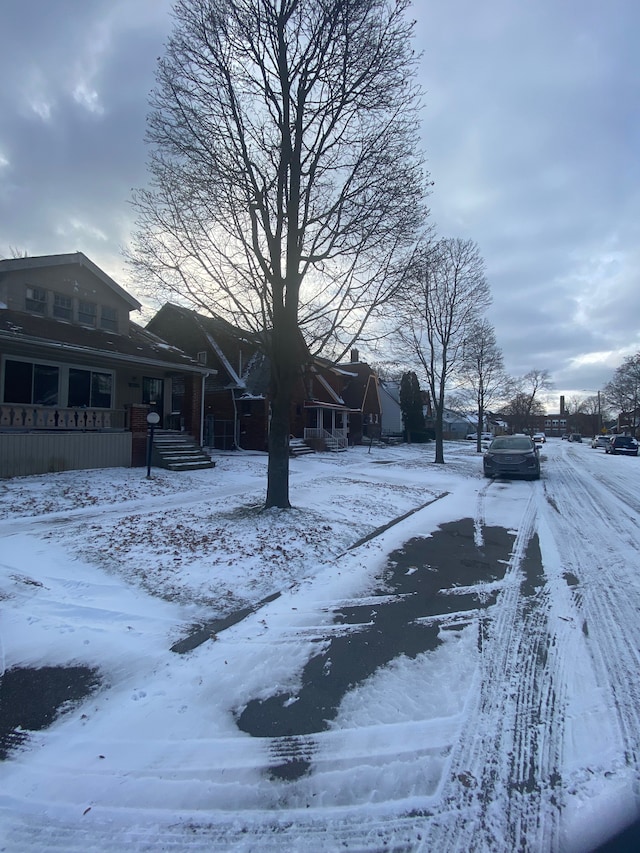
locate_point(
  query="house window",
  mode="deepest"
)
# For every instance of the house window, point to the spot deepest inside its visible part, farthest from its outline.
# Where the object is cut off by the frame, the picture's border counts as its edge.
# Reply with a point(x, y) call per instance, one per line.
point(89, 388)
point(109, 319)
point(28, 383)
point(62, 307)
point(87, 313)
point(36, 300)
point(202, 357)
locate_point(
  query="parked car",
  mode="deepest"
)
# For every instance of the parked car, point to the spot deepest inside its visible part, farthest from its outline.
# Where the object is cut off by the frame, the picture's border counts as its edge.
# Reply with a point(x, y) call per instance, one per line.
point(484, 436)
point(565, 437)
point(625, 445)
point(512, 455)
point(575, 436)
point(600, 441)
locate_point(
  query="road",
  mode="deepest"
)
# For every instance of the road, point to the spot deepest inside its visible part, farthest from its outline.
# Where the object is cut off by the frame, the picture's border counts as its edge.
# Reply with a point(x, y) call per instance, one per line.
point(506, 617)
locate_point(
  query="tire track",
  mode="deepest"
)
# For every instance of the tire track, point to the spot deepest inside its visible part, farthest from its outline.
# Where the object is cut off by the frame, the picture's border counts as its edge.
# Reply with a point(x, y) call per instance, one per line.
point(608, 595)
point(500, 793)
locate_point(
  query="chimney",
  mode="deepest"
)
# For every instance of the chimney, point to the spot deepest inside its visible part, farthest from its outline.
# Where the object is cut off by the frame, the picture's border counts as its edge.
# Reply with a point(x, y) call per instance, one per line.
point(562, 404)
point(355, 356)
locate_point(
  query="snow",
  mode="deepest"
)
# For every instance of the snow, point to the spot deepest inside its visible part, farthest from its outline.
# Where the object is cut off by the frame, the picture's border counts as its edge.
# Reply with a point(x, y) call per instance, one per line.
point(519, 728)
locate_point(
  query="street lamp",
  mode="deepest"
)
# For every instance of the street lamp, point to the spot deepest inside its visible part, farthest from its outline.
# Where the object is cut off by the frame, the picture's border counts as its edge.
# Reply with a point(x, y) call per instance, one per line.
point(153, 419)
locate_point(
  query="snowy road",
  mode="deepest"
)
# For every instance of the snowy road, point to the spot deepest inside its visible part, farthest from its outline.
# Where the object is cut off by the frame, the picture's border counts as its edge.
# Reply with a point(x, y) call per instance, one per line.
point(466, 679)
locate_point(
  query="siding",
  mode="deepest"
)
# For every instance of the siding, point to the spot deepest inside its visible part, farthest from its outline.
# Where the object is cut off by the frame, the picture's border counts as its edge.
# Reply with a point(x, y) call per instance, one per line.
point(44, 453)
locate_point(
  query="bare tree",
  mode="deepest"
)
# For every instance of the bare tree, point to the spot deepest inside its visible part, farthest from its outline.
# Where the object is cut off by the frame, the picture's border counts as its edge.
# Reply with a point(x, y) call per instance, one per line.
point(524, 404)
point(447, 296)
point(597, 410)
point(622, 393)
point(482, 372)
point(287, 189)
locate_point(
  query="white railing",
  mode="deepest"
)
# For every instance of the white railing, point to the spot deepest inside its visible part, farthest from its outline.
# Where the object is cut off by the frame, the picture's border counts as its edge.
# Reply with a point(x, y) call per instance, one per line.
point(14, 416)
point(334, 440)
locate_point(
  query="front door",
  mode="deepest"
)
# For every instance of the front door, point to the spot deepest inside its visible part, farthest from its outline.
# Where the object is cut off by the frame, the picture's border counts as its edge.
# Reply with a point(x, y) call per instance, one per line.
point(153, 394)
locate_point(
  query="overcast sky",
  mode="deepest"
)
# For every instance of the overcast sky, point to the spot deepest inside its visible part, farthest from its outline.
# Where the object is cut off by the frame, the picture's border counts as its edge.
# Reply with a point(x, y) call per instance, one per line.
point(531, 130)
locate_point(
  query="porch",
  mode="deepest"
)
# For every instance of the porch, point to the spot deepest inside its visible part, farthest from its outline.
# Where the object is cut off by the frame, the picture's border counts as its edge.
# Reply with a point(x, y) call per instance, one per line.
point(37, 439)
point(333, 440)
point(327, 426)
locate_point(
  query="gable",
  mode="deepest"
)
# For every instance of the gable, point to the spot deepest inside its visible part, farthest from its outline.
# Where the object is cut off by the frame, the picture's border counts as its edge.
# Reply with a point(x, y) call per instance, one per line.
point(67, 289)
point(234, 353)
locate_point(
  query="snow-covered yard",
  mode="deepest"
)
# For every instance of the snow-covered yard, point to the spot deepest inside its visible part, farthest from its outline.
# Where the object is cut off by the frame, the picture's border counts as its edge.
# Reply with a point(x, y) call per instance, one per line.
point(498, 711)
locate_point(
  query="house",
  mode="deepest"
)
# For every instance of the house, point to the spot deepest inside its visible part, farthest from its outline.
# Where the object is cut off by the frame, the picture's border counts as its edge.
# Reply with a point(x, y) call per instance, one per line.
point(391, 414)
point(77, 376)
point(361, 393)
point(330, 406)
point(455, 425)
point(235, 404)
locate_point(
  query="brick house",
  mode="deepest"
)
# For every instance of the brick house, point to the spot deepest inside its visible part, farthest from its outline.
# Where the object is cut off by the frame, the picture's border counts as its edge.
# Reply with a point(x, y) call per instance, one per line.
point(361, 393)
point(330, 402)
point(77, 376)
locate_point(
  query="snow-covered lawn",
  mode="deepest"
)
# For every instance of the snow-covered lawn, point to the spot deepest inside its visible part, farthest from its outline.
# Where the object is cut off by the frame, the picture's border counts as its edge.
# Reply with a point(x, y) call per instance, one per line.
point(515, 725)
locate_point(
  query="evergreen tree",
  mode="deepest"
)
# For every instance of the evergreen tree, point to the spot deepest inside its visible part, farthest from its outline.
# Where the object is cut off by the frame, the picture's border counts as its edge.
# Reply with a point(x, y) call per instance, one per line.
point(411, 406)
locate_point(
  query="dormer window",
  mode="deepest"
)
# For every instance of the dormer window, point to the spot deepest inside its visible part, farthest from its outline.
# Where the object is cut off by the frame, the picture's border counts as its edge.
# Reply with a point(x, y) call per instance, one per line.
point(36, 300)
point(62, 307)
point(87, 313)
point(109, 319)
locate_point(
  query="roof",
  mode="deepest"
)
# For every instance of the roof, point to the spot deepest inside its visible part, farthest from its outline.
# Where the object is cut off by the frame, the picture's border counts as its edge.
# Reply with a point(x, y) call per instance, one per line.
point(357, 389)
point(75, 258)
point(52, 336)
point(225, 340)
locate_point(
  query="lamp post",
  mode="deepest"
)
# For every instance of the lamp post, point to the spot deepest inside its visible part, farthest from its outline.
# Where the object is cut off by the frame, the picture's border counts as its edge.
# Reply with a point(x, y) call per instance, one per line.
point(153, 418)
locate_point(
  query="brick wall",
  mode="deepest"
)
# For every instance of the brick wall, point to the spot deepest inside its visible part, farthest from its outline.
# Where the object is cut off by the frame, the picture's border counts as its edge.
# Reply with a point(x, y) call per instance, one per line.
point(139, 430)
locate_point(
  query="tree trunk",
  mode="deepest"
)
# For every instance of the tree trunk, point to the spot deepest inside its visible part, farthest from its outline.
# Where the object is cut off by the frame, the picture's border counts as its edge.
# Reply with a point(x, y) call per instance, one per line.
point(285, 367)
point(439, 436)
point(278, 468)
point(480, 428)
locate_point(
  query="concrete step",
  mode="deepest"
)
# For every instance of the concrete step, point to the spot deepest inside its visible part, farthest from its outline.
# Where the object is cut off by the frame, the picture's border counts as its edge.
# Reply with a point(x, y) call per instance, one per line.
point(189, 466)
point(299, 447)
point(179, 452)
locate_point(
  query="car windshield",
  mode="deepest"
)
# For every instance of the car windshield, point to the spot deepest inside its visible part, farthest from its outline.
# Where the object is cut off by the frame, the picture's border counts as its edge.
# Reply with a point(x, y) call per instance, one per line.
point(625, 440)
point(511, 442)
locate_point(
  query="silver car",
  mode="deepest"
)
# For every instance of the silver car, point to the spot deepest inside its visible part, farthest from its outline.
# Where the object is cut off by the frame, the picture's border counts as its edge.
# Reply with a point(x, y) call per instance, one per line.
point(600, 441)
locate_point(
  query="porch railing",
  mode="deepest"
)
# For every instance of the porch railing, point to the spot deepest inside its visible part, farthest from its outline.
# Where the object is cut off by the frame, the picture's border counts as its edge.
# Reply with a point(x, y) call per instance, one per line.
point(18, 417)
point(334, 440)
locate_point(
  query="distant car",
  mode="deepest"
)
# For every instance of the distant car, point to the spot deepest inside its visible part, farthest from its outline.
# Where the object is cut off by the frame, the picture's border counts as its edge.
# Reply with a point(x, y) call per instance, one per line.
point(512, 455)
point(625, 445)
point(484, 436)
point(539, 437)
point(575, 436)
point(600, 441)
point(565, 437)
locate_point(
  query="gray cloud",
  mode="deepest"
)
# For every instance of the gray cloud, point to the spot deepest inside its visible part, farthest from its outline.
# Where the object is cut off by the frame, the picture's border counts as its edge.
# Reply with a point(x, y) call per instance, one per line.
point(74, 101)
point(531, 130)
